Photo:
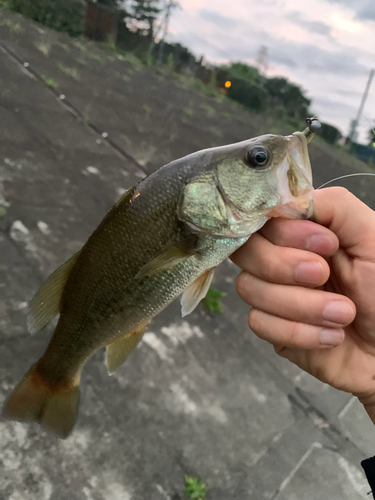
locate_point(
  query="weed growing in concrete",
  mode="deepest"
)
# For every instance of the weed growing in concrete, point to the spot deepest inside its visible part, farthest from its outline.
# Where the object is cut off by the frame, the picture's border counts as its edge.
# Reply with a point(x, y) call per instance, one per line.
point(188, 111)
point(124, 56)
point(226, 115)
point(212, 301)
point(147, 109)
point(50, 82)
point(64, 46)
point(208, 109)
point(195, 489)
point(69, 71)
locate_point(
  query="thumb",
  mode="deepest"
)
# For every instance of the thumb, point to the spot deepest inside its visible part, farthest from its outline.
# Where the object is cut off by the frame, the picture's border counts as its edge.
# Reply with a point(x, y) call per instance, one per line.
point(352, 221)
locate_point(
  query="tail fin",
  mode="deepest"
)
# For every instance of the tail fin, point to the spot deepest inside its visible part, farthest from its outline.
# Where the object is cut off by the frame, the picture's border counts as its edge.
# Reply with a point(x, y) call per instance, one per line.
point(54, 406)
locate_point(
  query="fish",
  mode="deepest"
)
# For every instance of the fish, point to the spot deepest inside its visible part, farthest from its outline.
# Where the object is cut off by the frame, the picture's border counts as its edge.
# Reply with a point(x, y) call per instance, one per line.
point(164, 237)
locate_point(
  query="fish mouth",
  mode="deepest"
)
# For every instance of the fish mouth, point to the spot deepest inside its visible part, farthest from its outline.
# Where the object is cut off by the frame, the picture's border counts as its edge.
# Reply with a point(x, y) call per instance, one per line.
point(294, 179)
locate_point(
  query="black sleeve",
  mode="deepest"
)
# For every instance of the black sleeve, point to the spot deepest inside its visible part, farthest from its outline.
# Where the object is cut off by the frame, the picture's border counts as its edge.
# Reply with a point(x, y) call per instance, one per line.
point(369, 468)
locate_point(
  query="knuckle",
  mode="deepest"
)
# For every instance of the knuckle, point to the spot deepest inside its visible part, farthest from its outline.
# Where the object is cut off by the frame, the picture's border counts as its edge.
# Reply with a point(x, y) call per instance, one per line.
point(256, 325)
point(252, 319)
point(294, 333)
point(340, 193)
point(281, 350)
point(280, 231)
point(269, 268)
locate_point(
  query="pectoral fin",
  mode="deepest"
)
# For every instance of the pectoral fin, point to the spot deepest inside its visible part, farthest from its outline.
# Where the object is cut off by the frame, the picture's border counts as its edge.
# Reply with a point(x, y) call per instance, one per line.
point(169, 257)
point(46, 303)
point(195, 292)
point(119, 350)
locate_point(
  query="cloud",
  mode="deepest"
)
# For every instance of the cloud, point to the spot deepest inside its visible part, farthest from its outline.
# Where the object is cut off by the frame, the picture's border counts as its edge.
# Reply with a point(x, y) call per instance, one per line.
point(241, 43)
point(313, 26)
point(363, 9)
point(217, 19)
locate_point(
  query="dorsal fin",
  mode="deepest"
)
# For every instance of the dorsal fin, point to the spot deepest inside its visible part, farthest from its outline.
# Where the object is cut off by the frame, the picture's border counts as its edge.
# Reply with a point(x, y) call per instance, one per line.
point(46, 303)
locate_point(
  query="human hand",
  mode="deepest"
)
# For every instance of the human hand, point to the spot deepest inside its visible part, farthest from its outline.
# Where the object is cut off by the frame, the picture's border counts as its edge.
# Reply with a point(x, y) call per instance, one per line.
point(312, 288)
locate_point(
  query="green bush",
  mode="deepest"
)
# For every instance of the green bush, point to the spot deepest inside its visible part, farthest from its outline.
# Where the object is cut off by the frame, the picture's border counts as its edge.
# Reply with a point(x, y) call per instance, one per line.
point(243, 71)
point(249, 95)
point(281, 92)
point(61, 15)
point(329, 133)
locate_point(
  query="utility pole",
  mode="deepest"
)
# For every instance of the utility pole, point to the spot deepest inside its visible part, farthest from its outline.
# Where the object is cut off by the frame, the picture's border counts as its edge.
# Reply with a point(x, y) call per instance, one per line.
point(354, 123)
point(170, 5)
point(262, 62)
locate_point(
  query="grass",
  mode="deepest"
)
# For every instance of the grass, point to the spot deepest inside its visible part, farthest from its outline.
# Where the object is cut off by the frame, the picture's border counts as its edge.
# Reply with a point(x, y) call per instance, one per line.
point(208, 109)
point(188, 111)
point(195, 489)
point(147, 109)
point(226, 115)
point(69, 71)
point(2, 213)
point(86, 50)
point(192, 83)
point(6, 5)
point(86, 121)
point(212, 301)
point(64, 46)
point(122, 54)
point(50, 82)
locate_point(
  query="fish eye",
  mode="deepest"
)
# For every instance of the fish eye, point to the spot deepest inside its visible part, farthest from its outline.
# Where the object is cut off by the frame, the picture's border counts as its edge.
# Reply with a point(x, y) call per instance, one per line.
point(258, 156)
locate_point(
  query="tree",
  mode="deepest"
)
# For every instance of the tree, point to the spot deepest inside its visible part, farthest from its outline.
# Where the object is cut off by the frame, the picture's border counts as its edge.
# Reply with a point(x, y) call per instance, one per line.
point(250, 95)
point(329, 133)
point(145, 13)
point(289, 95)
point(109, 3)
point(243, 71)
point(61, 15)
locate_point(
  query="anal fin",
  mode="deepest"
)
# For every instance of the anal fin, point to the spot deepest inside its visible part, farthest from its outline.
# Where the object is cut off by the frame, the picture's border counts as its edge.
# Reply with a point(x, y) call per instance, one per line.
point(195, 292)
point(119, 350)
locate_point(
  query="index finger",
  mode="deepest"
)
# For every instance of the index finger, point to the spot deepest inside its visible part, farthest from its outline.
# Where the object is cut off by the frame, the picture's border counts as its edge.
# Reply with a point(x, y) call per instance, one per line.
point(351, 220)
point(301, 234)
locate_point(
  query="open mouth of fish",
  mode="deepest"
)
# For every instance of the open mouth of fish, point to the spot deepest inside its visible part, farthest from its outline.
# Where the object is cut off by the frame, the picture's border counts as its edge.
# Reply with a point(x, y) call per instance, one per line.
point(294, 179)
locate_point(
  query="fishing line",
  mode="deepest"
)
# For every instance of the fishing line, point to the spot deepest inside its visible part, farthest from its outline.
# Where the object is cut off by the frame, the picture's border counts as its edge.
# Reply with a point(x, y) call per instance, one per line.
point(342, 177)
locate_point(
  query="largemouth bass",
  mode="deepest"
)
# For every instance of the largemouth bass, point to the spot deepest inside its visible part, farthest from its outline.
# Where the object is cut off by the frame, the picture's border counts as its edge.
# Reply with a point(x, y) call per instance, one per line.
point(163, 237)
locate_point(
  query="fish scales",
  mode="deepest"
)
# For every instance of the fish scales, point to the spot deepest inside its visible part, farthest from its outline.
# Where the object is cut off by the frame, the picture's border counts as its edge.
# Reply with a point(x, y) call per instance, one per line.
point(102, 292)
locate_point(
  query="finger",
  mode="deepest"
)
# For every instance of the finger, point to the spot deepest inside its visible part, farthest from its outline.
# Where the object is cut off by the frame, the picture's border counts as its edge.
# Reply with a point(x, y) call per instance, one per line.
point(351, 220)
point(286, 333)
point(304, 305)
point(302, 234)
point(275, 264)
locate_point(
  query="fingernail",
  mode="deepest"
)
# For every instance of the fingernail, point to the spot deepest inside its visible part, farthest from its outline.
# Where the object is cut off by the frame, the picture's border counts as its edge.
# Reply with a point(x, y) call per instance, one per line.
point(309, 273)
point(318, 243)
point(331, 337)
point(338, 312)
